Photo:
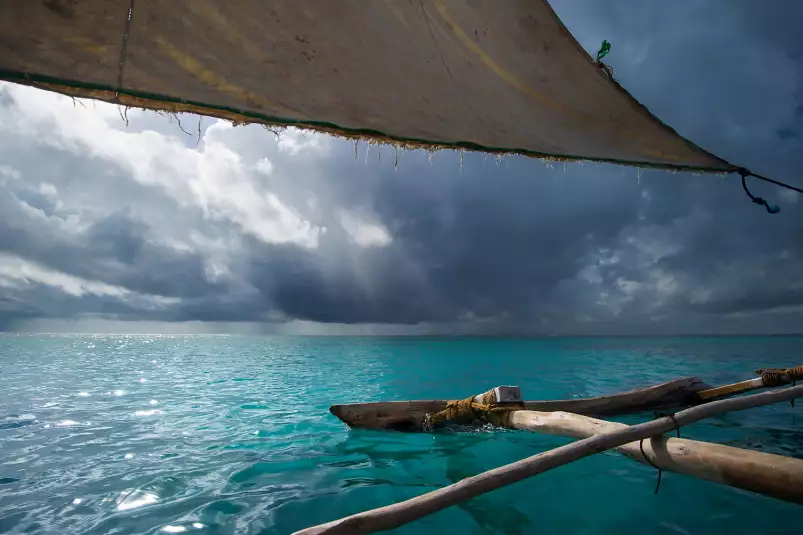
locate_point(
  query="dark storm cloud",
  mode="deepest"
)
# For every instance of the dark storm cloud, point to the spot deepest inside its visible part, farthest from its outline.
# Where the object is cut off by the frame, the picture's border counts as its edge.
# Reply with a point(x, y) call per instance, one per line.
point(112, 249)
point(516, 246)
point(727, 77)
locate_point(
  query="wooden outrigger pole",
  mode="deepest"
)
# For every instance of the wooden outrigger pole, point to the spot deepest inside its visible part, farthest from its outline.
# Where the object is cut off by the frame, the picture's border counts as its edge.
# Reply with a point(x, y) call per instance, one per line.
point(409, 415)
point(771, 475)
point(763, 473)
point(767, 377)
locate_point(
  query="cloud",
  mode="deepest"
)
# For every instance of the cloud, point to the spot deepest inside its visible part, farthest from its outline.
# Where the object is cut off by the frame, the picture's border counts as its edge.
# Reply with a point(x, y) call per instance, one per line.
point(214, 179)
point(364, 233)
point(243, 229)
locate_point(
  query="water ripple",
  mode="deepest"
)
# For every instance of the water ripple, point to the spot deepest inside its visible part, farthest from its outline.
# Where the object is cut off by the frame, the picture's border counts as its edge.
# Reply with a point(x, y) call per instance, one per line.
point(201, 434)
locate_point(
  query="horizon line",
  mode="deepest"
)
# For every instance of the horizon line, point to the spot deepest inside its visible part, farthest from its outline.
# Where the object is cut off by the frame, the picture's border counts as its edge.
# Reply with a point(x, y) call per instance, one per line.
point(411, 335)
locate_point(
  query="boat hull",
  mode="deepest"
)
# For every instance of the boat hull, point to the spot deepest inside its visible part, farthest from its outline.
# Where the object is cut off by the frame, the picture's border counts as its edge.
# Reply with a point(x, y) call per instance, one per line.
point(408, 415)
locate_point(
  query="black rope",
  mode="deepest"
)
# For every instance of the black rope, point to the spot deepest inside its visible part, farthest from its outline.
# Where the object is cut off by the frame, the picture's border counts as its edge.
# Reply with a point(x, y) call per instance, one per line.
point(660, 472)
point(771, 208)
point(746, 172)
point(641, 447)
point(668, 415)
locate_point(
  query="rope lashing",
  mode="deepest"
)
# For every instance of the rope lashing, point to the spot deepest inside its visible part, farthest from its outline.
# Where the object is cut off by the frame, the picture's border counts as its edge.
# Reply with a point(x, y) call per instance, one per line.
point(603, 51)
point(641, 447)
point(781, 376)
point(466, 411)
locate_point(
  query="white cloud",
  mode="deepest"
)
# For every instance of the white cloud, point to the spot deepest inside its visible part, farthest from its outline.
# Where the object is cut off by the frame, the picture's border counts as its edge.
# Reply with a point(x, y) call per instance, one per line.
point(590, 274)
point(294, 141)
point(264, 166)
point(628, 287)
point(16, 272)
point(212, 176)
point(7, 172)
point(48, 190)
point(363, 232)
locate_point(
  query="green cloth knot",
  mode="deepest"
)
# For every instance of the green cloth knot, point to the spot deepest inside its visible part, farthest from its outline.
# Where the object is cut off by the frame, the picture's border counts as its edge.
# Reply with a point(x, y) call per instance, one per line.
point(603, 50)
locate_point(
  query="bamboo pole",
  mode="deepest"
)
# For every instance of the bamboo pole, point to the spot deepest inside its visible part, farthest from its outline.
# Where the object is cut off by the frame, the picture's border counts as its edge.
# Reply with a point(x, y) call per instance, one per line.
point(771, 475)
point(395, 515)
point(740, 388)
point(776, 377)
point(735, 388)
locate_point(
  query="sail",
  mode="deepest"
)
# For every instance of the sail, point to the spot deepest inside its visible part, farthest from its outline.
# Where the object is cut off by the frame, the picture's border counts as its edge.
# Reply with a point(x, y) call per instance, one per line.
point(503, 77)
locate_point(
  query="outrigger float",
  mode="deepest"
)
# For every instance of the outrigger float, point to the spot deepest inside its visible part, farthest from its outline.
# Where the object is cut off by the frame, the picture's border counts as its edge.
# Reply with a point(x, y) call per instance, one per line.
point(763, 473)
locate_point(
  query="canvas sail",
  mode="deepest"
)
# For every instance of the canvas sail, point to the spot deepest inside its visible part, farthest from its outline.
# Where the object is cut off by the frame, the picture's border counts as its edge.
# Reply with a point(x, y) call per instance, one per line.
point(486, 75)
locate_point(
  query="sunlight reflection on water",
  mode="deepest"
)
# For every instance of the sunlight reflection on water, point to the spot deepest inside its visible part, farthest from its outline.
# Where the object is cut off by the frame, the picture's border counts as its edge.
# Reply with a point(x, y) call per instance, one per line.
point(242, 440)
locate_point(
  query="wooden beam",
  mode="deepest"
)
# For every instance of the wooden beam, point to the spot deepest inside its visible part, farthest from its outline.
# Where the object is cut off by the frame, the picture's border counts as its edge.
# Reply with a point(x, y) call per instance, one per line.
point(680, 392)
point(780, 377)
point(408, 415)
point(395, 515)
point(771, 475)
point(735, 388)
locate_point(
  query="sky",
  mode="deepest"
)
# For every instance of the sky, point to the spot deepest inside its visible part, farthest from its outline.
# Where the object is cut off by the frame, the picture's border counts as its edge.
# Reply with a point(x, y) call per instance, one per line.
point(149, 227)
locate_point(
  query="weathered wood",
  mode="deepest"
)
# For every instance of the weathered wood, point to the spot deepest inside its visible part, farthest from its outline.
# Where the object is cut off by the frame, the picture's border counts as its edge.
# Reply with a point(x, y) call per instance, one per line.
point(395, 515)
point(408, 415)
point(670, 394)
point(772, 475)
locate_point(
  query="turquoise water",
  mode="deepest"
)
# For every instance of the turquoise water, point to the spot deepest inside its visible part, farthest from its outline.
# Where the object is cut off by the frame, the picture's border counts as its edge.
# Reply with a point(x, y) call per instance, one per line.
point(219, 434)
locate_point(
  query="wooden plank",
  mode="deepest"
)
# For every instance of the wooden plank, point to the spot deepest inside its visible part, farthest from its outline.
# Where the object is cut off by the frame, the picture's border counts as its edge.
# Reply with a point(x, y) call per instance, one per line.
point(771, 475)
point(395, 515)
point(408, 415)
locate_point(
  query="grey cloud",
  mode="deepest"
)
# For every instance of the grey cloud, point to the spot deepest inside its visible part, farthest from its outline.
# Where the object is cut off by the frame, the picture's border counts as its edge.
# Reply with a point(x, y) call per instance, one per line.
point(515, 247)
point(113, 249)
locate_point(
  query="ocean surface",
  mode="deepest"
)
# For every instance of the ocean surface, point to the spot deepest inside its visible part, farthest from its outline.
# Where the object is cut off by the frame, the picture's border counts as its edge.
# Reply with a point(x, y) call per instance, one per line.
point(104, 434)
